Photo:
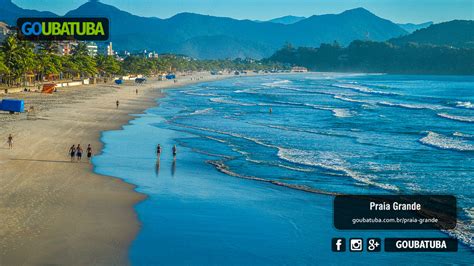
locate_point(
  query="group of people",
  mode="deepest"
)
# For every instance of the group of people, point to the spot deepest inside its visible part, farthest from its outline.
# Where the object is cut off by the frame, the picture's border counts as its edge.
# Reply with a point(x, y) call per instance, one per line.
point(76, 152)
point(158, 151)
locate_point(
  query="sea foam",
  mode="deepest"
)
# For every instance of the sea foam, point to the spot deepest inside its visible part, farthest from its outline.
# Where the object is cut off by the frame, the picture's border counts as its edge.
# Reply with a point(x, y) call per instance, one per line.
point(362, 89)
point(469, 119)
point(446, 143)
point(329, 161)
point(467, 105)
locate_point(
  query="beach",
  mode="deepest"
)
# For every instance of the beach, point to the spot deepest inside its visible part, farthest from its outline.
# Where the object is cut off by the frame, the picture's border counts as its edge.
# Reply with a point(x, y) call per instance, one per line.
point(58, 212)
point(217, 203)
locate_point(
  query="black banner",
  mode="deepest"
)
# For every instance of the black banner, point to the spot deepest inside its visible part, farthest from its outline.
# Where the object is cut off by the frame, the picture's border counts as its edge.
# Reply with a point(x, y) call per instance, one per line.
point(404, 212)
point(421, 245)
point(57, 29)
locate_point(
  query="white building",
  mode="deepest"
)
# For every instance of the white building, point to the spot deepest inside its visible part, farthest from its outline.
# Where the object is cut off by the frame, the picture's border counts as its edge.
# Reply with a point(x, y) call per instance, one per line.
point(110, 50)
point(92, 48)
point(299, 69)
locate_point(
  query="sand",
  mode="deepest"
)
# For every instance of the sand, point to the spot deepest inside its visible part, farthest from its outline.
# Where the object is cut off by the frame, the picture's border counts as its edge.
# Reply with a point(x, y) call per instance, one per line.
point(57, 212)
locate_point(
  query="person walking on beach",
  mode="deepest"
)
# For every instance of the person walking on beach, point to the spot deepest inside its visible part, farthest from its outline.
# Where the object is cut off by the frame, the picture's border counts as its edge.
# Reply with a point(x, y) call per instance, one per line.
point(79, 152)
point(10, 141)
point(72, 152)
point(175, 151)
point(89, 152)
point(136, 91)
point(158, 150)
point(117, 103)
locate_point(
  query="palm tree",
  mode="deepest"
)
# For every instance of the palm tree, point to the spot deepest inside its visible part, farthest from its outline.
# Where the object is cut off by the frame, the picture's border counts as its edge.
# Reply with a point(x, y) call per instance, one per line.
point(18, 58)
point(80, 49)
point(3, 68)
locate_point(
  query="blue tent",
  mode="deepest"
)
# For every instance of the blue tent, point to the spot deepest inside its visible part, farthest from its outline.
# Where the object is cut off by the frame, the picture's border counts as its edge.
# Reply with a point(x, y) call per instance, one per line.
point(12, 105)
point(140, 80)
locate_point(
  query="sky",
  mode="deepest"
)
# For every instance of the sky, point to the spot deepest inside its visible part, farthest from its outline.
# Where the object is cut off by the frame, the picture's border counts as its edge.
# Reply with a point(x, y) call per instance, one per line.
point(401, 11)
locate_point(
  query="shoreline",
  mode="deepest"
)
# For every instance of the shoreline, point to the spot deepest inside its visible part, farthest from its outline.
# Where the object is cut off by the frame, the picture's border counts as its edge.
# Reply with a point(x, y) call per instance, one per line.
point(57, 212)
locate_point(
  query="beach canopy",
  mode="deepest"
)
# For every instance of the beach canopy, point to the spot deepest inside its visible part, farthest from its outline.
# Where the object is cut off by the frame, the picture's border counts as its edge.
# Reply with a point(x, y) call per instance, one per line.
point(118, 81)
point(48, 88)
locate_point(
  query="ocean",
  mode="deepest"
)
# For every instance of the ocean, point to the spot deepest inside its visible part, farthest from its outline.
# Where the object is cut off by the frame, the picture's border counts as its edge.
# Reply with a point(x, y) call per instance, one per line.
point(260, 157)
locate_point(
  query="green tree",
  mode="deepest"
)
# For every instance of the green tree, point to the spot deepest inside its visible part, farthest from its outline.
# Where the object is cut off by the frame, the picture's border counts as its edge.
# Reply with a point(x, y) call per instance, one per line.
point(18, 58)
point(107, 65)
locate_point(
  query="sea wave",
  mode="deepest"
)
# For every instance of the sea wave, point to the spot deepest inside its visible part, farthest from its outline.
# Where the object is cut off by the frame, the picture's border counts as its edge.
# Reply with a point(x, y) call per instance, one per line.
point(347, 99)
point(329, 161)
point(463, 232)
point(229, 101)
point(363, 89)
point(248, 91)
point(463, 135)
point(337, 112)
point(446, 143)
point(276, 83)
point(202, 111)
point(469, 119)
point(467, 105)
point(310, 131)
point(410, 106)
point(199, 94)
point(223, 168)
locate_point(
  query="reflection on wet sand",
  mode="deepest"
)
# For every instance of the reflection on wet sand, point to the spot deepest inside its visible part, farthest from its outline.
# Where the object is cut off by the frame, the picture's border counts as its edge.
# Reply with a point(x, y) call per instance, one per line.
point(157, 167)
point(173, 167)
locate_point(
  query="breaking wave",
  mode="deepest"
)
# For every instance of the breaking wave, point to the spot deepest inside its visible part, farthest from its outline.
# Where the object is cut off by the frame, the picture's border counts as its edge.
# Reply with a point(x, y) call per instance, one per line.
point(411, 106)
point(329, 161)
point(276, 83)
point(463, 135)
point(446, 143)
point(202, 111)
point(347, 99)
point(467, 105)
point(469, 119)
point(229, 101)
point(363, 89)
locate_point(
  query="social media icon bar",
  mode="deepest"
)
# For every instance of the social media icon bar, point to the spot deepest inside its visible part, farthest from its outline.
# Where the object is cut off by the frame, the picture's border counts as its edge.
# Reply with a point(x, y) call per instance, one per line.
point(338, 245)
point(374, 244)
point(356, 244)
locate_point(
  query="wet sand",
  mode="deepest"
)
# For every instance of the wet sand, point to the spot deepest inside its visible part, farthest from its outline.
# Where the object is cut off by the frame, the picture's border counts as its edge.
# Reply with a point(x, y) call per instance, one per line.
point(57, 212)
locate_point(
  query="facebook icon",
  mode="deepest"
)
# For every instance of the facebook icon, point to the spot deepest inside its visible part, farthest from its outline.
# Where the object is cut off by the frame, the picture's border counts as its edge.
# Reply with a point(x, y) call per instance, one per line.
point(338, 244)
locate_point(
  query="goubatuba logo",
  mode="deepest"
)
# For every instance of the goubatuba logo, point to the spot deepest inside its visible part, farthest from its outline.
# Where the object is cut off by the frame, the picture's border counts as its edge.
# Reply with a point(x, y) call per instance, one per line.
point(82, 29)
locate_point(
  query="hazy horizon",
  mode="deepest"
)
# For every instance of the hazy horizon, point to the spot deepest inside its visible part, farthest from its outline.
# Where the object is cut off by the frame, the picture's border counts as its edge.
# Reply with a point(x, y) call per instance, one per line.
point(401, 11)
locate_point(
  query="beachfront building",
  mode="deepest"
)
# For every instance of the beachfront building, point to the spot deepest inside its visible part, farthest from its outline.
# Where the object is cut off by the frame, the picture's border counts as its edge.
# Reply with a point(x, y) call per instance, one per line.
point(109, 49)
point(106, 48)
point(65, 47)
point(92, 48)
point(152, 55)
point(299, 69)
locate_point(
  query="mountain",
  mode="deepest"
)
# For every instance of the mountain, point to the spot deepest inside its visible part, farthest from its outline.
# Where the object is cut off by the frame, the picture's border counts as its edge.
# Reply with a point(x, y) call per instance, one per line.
point(354, 24)
point(287, 20)
point(411, 27)
point(9, 12)
point(211, 37)
point(456, 33)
